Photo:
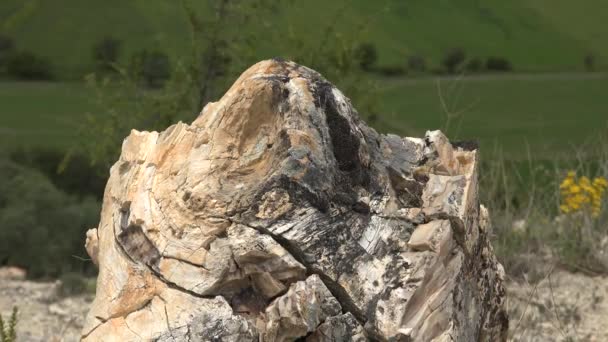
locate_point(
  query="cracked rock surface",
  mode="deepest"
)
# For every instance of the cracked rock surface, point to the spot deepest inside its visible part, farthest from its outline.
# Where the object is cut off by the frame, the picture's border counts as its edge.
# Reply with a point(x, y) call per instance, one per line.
point(278, 215)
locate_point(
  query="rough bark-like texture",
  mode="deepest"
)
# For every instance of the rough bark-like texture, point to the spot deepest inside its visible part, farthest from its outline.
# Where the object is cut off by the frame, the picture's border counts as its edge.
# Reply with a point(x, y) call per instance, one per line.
point(279, 215)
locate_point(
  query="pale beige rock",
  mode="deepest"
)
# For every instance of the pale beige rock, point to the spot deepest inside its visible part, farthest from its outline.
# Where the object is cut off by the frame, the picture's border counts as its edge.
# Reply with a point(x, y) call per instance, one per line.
point(92, 245)
point(278, 214)
point(300, 311)
point(12, 273)
point(339, 328)
point(426, 236)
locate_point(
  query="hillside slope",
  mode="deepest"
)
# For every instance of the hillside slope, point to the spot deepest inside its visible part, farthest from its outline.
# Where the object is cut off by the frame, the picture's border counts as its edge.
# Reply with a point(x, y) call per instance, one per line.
point(535, 35)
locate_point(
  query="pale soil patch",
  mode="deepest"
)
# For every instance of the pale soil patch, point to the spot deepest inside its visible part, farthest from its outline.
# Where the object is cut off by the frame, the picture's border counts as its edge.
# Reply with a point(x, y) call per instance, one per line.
point(43, 316)
point(560, 307)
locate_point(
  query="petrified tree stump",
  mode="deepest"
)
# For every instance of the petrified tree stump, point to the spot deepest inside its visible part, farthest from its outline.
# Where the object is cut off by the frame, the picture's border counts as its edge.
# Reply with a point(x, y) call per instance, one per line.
point(279, 215)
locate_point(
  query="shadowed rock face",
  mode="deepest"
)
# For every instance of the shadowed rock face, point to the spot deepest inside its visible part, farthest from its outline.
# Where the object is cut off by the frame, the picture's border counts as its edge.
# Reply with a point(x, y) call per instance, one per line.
point(278, 215)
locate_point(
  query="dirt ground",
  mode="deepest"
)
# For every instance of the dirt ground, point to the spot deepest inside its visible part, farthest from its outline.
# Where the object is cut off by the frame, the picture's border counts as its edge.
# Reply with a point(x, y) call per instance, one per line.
point(560, 307)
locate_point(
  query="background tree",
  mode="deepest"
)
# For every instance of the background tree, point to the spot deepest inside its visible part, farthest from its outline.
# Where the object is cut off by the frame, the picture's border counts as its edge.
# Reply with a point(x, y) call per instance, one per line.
point(28, 66)
point(151, 68)
point(589, 62)
point(498, 64)
point(416, 63)
point(366, 55)
point(106, 53)
point(7, 47)
point(453, 60)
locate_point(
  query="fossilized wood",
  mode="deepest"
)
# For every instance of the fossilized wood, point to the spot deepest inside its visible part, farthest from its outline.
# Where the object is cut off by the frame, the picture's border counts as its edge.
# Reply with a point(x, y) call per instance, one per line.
point(279, 215)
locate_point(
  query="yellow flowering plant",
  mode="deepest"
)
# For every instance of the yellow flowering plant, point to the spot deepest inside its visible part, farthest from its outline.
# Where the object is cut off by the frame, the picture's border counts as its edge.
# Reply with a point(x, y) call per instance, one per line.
point(582, 194)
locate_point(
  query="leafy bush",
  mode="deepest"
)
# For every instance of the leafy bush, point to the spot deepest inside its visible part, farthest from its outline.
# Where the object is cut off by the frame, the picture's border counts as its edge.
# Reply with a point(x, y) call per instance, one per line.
point(152, 68)
point(7, 48)
point(391, 70)
point(366, 55)
point(416, 63)
point(453, 59)
point(42, 228)
point(77, 177)
point(474, 65)
point(498, 64)
point(28, 66)
point(589, 62)
point(8, 331)
point(106, 52)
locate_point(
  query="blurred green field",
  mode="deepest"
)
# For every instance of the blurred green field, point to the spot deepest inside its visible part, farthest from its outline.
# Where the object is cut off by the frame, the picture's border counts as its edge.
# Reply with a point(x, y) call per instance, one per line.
point(535, 35)
point(550, 113)
point(547, 113)
point(42, 114)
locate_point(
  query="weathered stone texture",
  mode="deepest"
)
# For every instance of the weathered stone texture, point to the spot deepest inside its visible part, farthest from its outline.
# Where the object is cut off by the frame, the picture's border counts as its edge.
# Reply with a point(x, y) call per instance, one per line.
point(279, 215)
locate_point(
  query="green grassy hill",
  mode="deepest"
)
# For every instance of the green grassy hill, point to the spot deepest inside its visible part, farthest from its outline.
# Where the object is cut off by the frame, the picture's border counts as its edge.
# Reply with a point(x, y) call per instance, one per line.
point(535, 35)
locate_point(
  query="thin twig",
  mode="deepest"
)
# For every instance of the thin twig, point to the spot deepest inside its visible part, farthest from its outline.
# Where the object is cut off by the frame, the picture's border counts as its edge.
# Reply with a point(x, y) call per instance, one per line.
point(530, 299)
point(561, 326)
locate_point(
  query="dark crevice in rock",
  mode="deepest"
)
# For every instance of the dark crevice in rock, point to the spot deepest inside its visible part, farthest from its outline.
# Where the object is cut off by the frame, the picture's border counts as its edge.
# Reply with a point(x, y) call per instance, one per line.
point(408, 191)
point(174, 286)
point(153, 268)
point(467, 145)
point(186, 261)
point(345, 144)
point(295, 190)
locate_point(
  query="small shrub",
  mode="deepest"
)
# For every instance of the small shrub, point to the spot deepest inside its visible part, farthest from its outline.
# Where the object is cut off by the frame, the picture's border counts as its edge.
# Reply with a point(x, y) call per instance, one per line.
point(498, 64)
point(391, 70)
point(589, 62)
point(151, 67)
point(106, 52)
point(8, 331)
point(366, 55)
point(77, 177)
point(28, 66)
point(41, 227)
point(416, 63)
point(453, 60)
point(72, 284)
point(474, 65)
point(7, 48)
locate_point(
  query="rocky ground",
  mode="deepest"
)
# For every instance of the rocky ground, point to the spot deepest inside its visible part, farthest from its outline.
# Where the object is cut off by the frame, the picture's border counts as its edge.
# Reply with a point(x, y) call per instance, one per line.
point(43, 315)
point(561, 307)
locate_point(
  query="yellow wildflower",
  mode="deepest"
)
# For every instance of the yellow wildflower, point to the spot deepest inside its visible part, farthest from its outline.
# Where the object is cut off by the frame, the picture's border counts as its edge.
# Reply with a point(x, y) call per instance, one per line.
point(582, 194)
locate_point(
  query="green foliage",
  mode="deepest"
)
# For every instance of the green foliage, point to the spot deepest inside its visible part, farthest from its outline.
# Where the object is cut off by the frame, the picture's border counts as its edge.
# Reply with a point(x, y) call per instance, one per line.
point(366, 55)
point(78, 177)
point(106, 53)
point(498, 64)
point(453, 59)
point(41, 228)
point(219, 53)
point(538, 35)
point(150, 68)
point(7, 48)
point(28, 66)
point(474, 65)
point(8, 331)
point(416, 63)
point(589, 62)
point(391, 70)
